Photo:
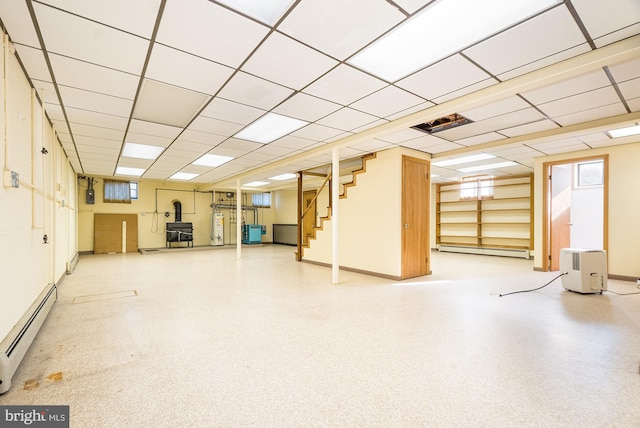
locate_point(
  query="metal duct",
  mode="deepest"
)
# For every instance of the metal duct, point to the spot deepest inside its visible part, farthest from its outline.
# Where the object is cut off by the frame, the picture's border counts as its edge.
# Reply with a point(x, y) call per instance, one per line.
point(178, 207)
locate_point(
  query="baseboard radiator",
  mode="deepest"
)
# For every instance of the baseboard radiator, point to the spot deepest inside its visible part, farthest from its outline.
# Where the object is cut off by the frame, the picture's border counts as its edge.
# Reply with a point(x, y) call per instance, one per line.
point(18, 341)
point(505, 252)
point(71, 264)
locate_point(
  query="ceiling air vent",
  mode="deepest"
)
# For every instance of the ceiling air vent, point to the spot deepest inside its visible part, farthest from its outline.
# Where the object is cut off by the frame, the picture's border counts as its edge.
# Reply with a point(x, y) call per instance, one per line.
point(442, 124)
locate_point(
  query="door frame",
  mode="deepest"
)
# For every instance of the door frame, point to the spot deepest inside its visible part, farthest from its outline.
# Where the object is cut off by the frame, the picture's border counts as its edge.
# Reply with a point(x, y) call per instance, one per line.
point(427, 220)
point(546, 203)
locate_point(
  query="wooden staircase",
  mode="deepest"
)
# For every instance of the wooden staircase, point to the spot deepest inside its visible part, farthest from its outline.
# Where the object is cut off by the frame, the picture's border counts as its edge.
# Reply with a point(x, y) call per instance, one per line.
point(343, 195)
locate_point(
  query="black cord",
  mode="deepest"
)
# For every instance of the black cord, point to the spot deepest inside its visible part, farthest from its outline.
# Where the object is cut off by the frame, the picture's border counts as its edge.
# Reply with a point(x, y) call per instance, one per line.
point(535, 289)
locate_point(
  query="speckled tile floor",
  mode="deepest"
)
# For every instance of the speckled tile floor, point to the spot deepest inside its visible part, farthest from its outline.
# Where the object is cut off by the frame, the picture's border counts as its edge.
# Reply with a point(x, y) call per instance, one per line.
point(198, 339)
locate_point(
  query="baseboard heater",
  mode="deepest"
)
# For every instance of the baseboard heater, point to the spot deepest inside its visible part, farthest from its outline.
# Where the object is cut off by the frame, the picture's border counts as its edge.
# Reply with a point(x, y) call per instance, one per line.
point(71, 265)
point(18, 341)
point(505, 252)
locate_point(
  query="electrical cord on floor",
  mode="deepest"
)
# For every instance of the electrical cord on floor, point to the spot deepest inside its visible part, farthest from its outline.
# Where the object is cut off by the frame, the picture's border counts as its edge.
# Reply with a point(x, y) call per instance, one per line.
point(622, 294)
point(535, 289)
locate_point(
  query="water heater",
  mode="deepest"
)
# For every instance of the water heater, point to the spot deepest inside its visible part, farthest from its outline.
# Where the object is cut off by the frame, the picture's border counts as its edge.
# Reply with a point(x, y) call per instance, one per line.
point(586, 270)
point(217, 229)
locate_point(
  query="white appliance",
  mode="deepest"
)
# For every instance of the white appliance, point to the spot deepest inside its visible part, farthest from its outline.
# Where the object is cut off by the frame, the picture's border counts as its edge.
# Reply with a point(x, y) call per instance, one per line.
point(217, 229)
point(586, 270)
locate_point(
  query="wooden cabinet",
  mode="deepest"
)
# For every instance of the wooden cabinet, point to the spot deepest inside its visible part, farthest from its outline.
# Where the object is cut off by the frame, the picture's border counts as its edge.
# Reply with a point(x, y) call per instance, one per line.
point(486, 212)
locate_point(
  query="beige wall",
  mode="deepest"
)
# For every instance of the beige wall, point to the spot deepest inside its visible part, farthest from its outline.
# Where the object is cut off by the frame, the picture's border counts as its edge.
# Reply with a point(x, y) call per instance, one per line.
point(370, 219)
point(624, 206)
point(155, 198)
point(43, 204)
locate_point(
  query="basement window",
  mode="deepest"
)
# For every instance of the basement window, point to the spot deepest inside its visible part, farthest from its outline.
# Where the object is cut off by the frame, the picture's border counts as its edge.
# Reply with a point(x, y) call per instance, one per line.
point(443, 123)
point(589, 174)
point(116, 191)
point(261, 200)
point(133, 189)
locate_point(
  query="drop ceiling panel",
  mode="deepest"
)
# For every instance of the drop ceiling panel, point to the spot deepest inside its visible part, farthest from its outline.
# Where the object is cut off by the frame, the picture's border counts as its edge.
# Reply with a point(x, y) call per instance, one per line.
point(215, 126)
point(54, 111)
point(82, 75)
point(624, 71)
point(481, 139)
point(419, 107)
point(270, 149)
point(387, 101)
point(593, 114)
point(411, 5)
point(98, 151)
point(80, 129)
point(554, 32)
point(373, 146)
point(178, 68)
point(619, 14)
point(166, 104)
point(529, 128)
point(347, 119)
point(135, 163)
point(497, 108)
point(151, 140)
point(156, 129)
point(253, 91)
point(90, 141)
point(230, 111)
point(81, 99)
point(287, 62)
point(316, 132)
point(555, 144)
point(243, 145)
point(201, 137)
point(227, 151)
point(544, 62)
point(50, 95)
point(190, 146)
point(90, 41)
point(178, 157)
point(210, 31)
point(508, 120)
point(306, 107)
point(634, 104)
point(139, 18)
point(339, 27)
point(344, 85)
point(17, 20)
point(630, 89)
point(404, 135)
point(580, 102)
point(512, 151)
point(96, 119)
point(293, 142)
point(34, 62)
point(566, 88)
point(444, 77)
point(439, 148)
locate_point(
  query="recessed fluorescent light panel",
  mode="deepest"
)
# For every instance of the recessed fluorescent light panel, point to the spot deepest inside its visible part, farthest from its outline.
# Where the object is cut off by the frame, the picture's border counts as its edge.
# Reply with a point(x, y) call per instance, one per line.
point(183, 176)
point(212, 160)
point(269, 128)
point(141, 151)
point(488, 167)
point(445, 27)
point(281, 177)
point(466, 159)
point(256, 183)
point(124, 170)
point(264, 11)
point(624, 132)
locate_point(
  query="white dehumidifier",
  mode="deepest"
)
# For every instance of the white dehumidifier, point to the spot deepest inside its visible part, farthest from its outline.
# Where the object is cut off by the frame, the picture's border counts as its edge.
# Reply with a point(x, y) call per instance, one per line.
point(586, 270)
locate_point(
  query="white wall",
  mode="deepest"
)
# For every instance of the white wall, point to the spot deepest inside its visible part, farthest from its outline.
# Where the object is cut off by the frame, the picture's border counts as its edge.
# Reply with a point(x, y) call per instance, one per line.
point(624, 206)
point(43, 204)
point(587, 215)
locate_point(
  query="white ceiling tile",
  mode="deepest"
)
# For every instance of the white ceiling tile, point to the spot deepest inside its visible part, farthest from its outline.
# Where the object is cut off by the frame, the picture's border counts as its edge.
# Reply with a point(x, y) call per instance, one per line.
point(546, 61)
point(554, 143)
point(554, 30)
point(90, 41)
point(444, 77)
point(187, 71)
point(215, 126)
point(246, 146)
point(156, 129)
point(511, 150)
point(134, 163)
point(316, 132)
point(400, 136)
point(160, 102)
point(344, 85)
point(373, 145)
point(190, 146)
point(339, 27)
point(347, 119)
point(439, 148)
point(152, 140)
point(306, 107)
point(368, 126)
point(480, 139)
point(576, 85)
point(419, 107)
point(80, 129)
point(411, 5)
point(270, 149)
point(262, 157)
point(17, 20)
point(592, 137)
point(507, 120)
point(210, 31)
point(580, 102)
point(87, 100)
point(387, 101)
point(287, 62)
point(227, 151)
point(91, 118)
point(246, 89)
point(230, 111)
point(140, 16)
point(622, 34)
point(565, 149)
point(34, 62)
point(624, 71)
point(177, 156)
point(54, 111)
point(618, 13)
point(82, 75)
point(496, 108)
point(630, 89)
point(97, 151)
point(202, 137)
point(528, 128)
point(292, 142)
point(50, 95)
point(593, 114)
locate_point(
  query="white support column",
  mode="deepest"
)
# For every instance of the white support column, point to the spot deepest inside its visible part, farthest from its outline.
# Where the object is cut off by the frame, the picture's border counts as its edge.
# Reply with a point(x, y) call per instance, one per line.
point(335, 197)
point(238, 219)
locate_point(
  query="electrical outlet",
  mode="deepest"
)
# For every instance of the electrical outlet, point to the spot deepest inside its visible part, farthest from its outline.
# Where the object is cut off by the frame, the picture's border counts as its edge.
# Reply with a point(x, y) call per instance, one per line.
point(143, 213)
